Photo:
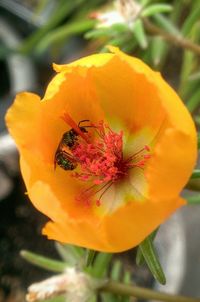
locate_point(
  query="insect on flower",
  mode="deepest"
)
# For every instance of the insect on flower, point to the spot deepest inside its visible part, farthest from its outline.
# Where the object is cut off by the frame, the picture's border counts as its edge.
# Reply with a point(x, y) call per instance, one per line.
point(99, 155)
point(69, 140)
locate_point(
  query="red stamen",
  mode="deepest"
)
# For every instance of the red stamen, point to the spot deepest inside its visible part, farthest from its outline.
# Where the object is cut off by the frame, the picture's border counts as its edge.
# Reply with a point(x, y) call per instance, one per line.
point(98, 203)
point(101, 160)
point(147, 156)
point(147, 148)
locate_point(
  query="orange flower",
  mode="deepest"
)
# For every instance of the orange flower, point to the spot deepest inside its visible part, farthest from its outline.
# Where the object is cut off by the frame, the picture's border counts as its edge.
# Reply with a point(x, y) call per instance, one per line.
point(118, 173)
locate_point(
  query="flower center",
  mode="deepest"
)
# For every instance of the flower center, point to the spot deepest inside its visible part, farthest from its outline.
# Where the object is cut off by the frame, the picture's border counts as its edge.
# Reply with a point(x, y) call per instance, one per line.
point(98, 153)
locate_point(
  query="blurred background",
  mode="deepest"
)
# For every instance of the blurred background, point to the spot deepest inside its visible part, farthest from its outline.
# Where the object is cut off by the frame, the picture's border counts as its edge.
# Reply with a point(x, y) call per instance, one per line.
point(35, 33)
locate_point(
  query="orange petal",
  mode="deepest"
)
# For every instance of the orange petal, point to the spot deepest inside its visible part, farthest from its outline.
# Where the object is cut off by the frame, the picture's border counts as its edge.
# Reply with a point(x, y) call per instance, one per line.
point(122, 230)
point(171, 164)
point(113, 83)
point(23, 119)
point(75, 96)
point(175, 111)
point(53, 192)
point(96, 60)
point(131, 97)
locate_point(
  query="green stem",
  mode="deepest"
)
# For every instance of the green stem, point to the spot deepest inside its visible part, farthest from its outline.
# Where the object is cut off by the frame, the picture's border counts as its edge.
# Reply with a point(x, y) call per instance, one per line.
point(193, 184)
point(143, 293)
point(176, 40)
point(193, 199)
point(198, 140)
point(195, 174)
point(89, 257)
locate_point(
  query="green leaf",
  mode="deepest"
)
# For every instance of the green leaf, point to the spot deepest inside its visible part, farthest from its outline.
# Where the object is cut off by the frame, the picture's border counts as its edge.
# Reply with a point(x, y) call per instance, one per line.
point(144, 2)
point(90, 256)
point(44, 262)
point(127, 277)
point(112, 31)
point(129, 46)
point(62, 33)
point(194, 101)
point(125, 41)
point(118, 28)
point(101, 264)
point(139, 33)
point(97, 33)
point(126, 280)
point(189, 64)
point(69, 253)
point(152, 260)
point(190, 21)
point(198, 139)
point(116, 270)
point(187, 67)
point(156, 9)
point(166, 24)
point(93, 298)
point(194, 76)
point(195, 174)
point(177, 12)
point(139, 256)
point(197, 119)
point(114, 275)
point(193, 199)
point(64, 9)
point(108, 297)
point(158, 49)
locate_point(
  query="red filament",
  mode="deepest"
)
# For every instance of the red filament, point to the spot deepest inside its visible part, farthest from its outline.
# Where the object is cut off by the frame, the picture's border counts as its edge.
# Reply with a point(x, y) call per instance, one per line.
point(99, 155)
point(101, 160)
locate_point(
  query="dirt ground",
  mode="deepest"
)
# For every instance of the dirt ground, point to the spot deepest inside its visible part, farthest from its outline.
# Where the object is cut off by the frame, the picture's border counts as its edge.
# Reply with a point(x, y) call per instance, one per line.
point(20, 227)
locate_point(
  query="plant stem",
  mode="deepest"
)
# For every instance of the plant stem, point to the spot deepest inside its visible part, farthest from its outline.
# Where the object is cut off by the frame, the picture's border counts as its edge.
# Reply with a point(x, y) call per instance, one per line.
point(195, 174)
point(193, 184)
point(177, 40)
point(193, 199)
point(89, 257)
point(198, 140)
point(143, 293)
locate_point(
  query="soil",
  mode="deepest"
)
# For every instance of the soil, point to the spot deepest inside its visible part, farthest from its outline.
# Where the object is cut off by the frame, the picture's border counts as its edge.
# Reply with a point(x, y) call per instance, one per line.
point(20, 228)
